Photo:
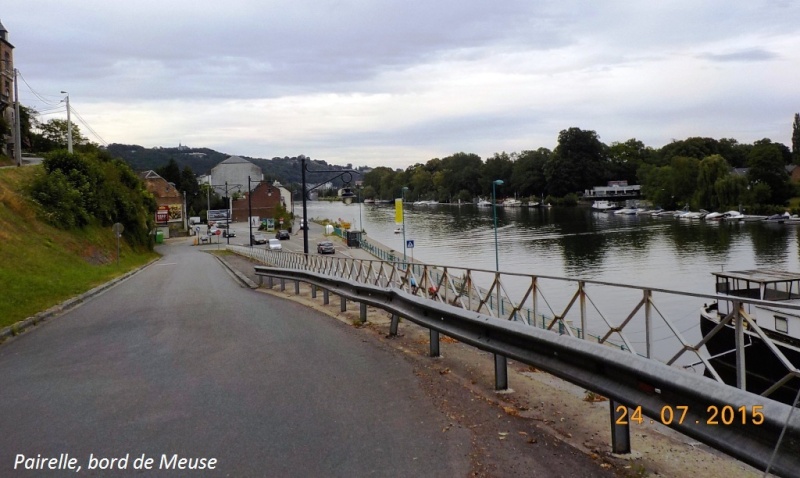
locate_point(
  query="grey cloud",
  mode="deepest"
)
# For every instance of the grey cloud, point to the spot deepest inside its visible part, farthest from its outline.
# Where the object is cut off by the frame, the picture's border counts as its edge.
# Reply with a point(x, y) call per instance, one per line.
point(749, 55)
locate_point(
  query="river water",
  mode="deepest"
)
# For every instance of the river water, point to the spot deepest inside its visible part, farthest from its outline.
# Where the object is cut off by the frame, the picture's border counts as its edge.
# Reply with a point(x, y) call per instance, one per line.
point(578, 243)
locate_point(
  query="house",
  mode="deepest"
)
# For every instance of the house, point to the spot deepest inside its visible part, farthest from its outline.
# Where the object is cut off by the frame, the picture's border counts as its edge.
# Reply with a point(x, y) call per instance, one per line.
point(793, 170)
point(614, 189)
point(235, 172)
point(262, 202)
point(7, 79)
point(169, 214)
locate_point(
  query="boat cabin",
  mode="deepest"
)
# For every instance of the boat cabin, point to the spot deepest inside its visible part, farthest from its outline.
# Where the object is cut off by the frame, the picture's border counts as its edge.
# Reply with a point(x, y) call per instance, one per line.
point(780, 287)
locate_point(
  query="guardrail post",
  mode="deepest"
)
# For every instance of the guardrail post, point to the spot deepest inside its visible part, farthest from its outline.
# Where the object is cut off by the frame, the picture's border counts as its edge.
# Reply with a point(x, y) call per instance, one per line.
point(363, 312)
point(435, 344)
point(326, 297)
point(393, 326)
point(500, 372)
point(620, 428)
point(313, 291)
point(269, 282)
point(297, 287)
point(343, 302)
point(283, 285)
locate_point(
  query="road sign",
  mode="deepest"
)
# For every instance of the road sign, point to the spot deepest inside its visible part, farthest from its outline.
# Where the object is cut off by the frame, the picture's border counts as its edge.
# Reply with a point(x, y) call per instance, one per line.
point(117, 228)
point(410, 244)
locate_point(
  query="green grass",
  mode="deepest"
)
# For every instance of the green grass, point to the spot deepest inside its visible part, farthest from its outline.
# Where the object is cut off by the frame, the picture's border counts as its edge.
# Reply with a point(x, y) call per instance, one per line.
point(40, 265)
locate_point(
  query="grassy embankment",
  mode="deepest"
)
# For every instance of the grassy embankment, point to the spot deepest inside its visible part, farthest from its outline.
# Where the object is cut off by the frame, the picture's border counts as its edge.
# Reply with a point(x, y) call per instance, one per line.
point(40, 265)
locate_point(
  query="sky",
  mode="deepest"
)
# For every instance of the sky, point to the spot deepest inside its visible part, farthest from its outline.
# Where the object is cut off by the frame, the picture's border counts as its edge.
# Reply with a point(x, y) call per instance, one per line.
point(395, 83)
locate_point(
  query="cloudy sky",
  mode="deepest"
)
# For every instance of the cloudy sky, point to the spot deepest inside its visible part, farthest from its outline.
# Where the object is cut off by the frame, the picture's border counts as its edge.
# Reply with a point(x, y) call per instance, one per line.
point(395, 83)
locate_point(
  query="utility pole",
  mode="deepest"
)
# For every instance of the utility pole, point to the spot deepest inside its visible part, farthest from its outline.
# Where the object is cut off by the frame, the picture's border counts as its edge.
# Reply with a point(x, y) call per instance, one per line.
point(69, 126)
point(17, 121)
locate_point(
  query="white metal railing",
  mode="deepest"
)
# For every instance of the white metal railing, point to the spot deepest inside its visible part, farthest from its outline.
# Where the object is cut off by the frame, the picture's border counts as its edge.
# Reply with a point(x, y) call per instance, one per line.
point(658, 324)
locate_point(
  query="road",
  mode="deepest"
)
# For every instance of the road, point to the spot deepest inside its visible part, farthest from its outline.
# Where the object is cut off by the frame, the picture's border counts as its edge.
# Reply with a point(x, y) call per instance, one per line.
point(179, 359)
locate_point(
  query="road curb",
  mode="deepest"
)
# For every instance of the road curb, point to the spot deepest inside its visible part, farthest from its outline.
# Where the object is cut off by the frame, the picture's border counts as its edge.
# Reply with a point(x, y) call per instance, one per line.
point(238, 274)
point(23, 325)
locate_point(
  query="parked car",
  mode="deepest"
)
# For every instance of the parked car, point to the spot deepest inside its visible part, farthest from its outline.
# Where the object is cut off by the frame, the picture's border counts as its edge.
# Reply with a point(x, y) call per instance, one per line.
point(275, 245)
point(325, 247)
point(282, 234)
point(258, 238)
point(227, 232)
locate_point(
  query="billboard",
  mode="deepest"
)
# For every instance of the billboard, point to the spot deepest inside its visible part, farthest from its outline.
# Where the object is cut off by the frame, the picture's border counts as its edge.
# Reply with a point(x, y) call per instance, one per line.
point(217, 215)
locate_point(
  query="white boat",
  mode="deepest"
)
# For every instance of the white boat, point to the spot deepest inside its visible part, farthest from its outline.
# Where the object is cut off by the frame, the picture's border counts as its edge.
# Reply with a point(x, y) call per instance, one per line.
point(626, 211)
point(714, 216)
point(512, 202)
point(604, 206)
point(732, 216)
point(398, 230)
point(768, 327)
point(484, 203)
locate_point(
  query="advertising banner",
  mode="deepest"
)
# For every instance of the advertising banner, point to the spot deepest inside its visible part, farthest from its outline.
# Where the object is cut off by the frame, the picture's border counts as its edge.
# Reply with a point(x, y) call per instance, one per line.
point(162, 214)
point(398, 211)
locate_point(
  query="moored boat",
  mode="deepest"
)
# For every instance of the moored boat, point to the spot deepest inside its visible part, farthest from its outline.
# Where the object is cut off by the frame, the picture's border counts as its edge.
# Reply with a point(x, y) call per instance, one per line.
point(779, 328)
point(604, 206)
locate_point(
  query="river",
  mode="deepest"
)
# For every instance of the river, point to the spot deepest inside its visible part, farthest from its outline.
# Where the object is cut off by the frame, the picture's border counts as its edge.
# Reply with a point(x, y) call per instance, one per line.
point(578, 243)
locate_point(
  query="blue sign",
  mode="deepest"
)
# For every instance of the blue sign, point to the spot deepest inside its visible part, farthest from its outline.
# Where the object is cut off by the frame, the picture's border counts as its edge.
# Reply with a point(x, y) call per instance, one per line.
point(410, 244)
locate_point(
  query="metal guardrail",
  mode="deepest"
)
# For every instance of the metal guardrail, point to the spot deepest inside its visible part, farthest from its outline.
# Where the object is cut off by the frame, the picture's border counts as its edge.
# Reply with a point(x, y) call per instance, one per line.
point(632, 318)
point(762, 433)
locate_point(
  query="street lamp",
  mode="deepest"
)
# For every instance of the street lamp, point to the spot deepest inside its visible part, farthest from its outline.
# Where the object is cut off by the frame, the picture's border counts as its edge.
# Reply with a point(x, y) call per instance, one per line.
point(347, 196)
point(402, 209)
point(496, 182)
point(500, 362)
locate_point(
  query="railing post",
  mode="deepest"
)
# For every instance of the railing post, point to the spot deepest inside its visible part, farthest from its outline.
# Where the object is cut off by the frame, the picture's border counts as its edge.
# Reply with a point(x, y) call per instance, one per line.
point(741, 375)
point(620, 428)
point(313, 291)
point(297, 287)
point(393, 326)
point(326, 297)
point(581, 286)
point(269, 282)
point(363, 312)
point(500, 372)
point(283, 284)
point(434, 352)
point(343, 302)
point(648, 324)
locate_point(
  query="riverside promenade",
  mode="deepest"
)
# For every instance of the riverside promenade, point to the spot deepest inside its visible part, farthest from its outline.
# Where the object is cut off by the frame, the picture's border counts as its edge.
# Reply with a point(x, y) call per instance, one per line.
point(540, 416)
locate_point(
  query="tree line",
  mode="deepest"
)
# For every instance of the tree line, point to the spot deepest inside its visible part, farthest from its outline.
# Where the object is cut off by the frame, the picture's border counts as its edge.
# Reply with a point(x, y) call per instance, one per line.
point(699, 172)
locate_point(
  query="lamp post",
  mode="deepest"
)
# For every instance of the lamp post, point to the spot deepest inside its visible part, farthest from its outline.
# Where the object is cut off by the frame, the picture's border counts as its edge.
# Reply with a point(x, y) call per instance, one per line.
point(500, 362)
point(402, 207)
point(69, 125)
point(229, 206)
point(346, 174)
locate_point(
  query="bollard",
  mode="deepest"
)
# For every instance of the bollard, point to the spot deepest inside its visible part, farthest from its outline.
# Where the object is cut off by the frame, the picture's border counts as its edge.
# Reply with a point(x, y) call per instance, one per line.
point(434, 343)
point(620, 428)
point(500, 372)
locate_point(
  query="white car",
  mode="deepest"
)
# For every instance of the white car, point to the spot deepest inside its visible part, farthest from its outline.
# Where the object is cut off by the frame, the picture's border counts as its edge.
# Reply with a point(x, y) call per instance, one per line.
point(275, 245)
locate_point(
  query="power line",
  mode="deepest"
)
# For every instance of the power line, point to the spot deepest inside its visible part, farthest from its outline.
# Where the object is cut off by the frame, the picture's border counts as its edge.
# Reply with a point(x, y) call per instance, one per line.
point(37, 95)
point(86, 124)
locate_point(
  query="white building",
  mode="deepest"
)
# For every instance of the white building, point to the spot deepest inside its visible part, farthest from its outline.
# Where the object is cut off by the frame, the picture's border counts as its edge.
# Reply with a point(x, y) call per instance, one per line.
point(235, 171)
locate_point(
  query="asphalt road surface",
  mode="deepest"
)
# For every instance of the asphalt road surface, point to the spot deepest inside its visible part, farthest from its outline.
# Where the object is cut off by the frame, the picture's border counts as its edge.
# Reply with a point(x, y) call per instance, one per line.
point(179, 362)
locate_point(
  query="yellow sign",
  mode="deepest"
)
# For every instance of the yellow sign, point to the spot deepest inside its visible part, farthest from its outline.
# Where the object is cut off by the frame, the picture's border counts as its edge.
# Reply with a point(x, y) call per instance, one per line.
point(398, 211)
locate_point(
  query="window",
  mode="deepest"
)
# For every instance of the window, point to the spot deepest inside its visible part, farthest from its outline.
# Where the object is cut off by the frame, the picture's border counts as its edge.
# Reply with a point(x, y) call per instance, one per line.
point(781, 324)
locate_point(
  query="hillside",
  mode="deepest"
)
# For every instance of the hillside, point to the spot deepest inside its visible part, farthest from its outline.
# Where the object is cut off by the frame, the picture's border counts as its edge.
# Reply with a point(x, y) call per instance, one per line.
point(201, 160)
point(43, 265)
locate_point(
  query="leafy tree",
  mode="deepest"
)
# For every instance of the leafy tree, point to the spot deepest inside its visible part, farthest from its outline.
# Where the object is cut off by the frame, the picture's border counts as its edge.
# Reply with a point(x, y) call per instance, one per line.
point(766, 164)
point(528, 172)
point(710, 170)
point(500, 166)
point(170, 172)
point(625, 158)
point(56, 131)
point(577, 163)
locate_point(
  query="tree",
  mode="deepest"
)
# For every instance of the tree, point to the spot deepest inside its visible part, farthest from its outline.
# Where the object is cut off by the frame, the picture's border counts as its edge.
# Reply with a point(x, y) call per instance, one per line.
point(528, 172)
point(499, 166)
point(710, 170)
point(577, 163)
point(56, 132)
point(766, 164)
point(170, 172)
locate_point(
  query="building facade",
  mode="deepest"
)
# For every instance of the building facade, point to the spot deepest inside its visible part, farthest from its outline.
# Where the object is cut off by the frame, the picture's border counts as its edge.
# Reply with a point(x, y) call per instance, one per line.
point(6, 91)
point(234, 171)
point(262, 203)
point(170, 212)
